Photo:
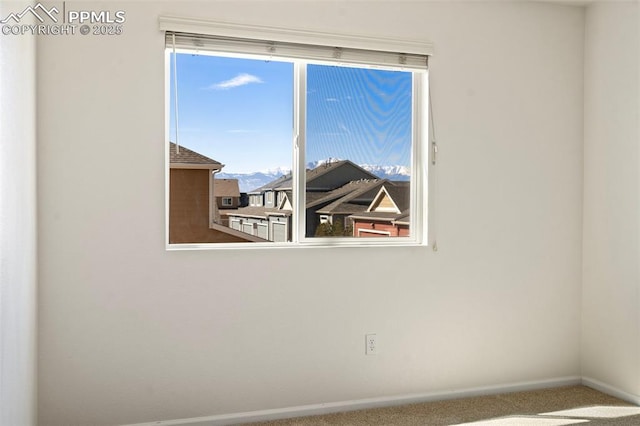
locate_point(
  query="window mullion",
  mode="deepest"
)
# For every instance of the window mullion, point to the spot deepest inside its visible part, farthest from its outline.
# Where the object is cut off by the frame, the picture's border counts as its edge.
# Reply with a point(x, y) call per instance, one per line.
point(427, 184)
point(299, 128)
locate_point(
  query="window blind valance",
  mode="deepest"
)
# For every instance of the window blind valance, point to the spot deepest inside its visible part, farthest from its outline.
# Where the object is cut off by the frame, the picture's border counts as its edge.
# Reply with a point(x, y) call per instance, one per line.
point(267, 42)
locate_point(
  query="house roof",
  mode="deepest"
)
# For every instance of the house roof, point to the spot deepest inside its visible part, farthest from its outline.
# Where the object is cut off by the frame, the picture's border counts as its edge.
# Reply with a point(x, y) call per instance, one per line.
point(312, 197)
point(188, 158)
point(347, 196)
point(384, 216)
point(328, 167)
point(403, 219)
point(226, 188)
point(257, 212)
point(325, 168)
point(399, 194)
point(286, 201)
point(285, 182)
point(394, 218)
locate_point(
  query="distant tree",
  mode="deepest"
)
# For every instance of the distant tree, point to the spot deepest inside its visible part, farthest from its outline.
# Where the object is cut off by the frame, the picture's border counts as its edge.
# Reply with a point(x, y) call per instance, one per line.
point(324, 230)
point(338, 228)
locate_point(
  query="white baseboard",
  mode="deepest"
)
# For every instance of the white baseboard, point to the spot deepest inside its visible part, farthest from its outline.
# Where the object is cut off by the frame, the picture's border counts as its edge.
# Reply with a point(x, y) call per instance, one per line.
point(610, 390)
point(360, 404)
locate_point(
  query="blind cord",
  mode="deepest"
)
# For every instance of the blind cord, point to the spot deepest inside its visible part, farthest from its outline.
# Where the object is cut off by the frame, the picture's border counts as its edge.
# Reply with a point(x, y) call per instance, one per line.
point(175, 90)
point(432, 127)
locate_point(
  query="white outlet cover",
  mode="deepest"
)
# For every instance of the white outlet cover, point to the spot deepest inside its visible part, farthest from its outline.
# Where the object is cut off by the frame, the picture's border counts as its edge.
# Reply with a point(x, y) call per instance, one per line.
point(371, 344)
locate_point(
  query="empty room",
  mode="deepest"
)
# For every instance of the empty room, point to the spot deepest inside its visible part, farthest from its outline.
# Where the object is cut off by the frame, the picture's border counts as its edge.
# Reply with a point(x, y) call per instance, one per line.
point(238, 211)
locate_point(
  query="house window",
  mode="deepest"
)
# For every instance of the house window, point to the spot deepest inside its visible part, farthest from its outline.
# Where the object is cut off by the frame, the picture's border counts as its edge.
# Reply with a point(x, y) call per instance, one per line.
point(255, 200)
point(325, 128)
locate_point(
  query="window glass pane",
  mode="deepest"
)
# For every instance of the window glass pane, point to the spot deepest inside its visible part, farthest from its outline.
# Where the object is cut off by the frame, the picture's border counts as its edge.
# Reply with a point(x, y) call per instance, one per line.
point(235, 142)
point(358, 152)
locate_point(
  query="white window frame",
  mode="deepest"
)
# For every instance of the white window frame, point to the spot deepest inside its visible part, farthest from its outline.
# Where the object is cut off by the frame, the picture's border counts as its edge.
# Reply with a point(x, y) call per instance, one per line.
point(422, 154)
point(227, 201)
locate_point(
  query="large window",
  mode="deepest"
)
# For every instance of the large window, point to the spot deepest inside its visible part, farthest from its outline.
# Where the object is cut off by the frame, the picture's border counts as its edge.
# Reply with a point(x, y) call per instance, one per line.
point(328, 145)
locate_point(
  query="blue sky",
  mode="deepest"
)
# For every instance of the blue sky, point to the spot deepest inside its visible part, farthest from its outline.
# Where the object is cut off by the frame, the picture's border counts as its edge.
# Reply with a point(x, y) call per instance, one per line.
point(240, 112)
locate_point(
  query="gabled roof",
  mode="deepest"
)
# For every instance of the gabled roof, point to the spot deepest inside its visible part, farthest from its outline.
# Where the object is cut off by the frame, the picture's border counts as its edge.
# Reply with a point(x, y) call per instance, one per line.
point(325, 168)
point(399, 196)
point(184, 157)
point(285, 182)
point(281, 183)
point(312, 197)
point(347, 196)
point(396, 196)
point(226, 188)
point(285, 203)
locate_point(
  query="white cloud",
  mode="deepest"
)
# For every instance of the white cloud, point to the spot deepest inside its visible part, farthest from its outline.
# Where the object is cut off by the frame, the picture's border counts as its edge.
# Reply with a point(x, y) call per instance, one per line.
point(237, 81)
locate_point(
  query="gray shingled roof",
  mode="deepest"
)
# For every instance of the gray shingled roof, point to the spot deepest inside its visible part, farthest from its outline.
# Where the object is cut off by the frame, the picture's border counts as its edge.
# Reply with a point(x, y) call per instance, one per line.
point(400, 195)
point(285, 182)
point(187, 156)
point(404, 218)
point(345, 197)
point(226, 188)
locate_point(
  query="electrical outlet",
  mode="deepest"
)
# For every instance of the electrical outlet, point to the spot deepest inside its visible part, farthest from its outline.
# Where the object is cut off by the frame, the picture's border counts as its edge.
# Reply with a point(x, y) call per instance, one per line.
point(371, 344)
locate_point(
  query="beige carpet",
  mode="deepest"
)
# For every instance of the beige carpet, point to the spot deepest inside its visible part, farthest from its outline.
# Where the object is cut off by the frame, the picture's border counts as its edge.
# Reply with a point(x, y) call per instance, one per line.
point(543, 407)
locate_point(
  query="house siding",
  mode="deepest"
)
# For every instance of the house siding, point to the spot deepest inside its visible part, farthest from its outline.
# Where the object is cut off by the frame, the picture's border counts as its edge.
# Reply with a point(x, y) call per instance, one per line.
point(235, 203)
point(189, 209)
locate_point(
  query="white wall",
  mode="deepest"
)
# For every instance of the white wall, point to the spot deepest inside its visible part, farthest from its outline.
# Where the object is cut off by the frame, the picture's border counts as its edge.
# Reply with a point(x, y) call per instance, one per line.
point(611, 295)
point(17, 226)
point(129, 332)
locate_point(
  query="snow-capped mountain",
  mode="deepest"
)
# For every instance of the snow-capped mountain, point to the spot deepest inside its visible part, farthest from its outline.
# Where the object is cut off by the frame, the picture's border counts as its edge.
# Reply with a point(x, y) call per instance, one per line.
point(383, 172)
point(388, 172)
point(251, 181)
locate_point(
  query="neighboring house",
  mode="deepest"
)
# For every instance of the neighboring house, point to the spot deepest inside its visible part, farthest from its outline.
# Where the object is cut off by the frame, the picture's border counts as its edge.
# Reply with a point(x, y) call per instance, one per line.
point(268, 214)
point(387, 215)
point(336, 206)
point(270, 206)
point(265, 196)
point(267, 223)
point(191, 195)
point(227, 196)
